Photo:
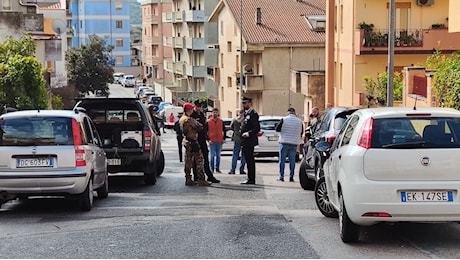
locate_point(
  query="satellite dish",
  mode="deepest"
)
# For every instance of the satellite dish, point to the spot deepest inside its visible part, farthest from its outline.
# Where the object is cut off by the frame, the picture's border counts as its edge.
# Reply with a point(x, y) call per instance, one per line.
point(59, 26)
point(247, 69)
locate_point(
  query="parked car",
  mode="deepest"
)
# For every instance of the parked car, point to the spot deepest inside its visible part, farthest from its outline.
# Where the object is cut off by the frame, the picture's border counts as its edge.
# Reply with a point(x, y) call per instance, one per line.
point(51, 153)
point(131, 140)
point(269, 138)
point(154, 100)
point(128, 81)
point(228, 144)
point(395, 164)
point(118, 77)
point(140, 91)
point(326, 128)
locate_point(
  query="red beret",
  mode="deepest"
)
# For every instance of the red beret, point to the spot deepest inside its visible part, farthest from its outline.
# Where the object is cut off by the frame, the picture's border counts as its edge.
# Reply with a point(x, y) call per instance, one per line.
point(188, 106)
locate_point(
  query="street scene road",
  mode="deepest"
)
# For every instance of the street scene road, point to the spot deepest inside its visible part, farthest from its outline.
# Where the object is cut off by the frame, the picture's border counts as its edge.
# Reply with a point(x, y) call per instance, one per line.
point(271, 219)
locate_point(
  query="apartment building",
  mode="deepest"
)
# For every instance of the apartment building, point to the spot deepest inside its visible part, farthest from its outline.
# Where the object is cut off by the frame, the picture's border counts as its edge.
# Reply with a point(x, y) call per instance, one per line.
point(271, 43)
point(107, 19)
point(357, 43)
point(154, 52)
point(188, 62)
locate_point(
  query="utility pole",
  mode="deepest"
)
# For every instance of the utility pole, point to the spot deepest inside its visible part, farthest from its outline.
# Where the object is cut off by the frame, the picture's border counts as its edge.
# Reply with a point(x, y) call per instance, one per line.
point(241, 56)
point(391, 54)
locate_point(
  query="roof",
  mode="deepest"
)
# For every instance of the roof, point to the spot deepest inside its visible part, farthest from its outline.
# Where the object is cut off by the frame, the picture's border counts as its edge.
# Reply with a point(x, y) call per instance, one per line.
point(282, 21)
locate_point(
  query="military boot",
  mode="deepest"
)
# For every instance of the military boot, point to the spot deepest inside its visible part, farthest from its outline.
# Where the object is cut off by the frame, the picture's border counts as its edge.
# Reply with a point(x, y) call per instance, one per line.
point(189, 181)
point(203, 183)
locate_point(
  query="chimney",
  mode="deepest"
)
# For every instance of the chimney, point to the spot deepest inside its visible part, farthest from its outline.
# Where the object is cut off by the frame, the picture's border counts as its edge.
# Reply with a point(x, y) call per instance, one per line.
point(258, 16)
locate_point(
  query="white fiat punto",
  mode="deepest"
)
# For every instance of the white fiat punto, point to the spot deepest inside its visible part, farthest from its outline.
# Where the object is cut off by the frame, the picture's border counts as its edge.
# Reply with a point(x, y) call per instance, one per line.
point(395, 164)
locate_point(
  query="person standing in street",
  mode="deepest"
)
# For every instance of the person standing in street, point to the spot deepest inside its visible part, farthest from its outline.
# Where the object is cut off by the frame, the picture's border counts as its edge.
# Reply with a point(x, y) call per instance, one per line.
point(235, 126)
point(216, 133)
point(290, 128)
point(179, 135)
point(250, 127)
point(202, 139)
point(193, 156)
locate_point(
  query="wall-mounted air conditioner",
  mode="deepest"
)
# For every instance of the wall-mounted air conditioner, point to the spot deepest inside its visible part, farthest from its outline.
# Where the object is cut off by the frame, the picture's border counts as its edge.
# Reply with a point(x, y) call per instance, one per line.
point(425, 2)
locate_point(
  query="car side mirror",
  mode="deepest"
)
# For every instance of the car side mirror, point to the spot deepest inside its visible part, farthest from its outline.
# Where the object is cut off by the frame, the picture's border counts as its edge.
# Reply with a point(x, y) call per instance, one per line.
point(322, 146)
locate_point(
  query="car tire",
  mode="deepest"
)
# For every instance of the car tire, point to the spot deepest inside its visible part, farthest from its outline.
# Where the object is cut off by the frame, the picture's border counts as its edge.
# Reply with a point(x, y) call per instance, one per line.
point(103, 191)
point(87, 197)
point(322, 200)
point(305, 182)
point(349, 231)
point(161, 164)
point(150, 174)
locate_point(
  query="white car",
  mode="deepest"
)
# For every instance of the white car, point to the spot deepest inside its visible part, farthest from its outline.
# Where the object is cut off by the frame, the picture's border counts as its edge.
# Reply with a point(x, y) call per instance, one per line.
point(51, 153)
point(117, 77)
point(128, 81)
point(395, 164)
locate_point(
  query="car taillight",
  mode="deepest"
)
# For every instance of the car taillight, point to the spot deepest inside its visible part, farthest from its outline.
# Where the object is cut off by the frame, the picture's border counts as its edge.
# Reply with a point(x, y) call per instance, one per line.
point(259, 134)
point(80, 156)
point(331, 139)
point(377, 214)
point(147, 139)
point(76, 131)
point(80, 153)
point(365, 136)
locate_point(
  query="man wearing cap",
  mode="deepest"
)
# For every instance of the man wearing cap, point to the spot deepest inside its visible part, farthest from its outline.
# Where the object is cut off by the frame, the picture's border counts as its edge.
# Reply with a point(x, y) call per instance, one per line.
point(250, 127)
point(193, 156)
point(202, 137)
point(179, 135)
point(291, 129)
point(370, 101)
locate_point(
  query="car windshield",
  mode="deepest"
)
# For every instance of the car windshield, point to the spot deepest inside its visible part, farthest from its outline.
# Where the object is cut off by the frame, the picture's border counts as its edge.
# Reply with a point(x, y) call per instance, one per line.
point(420, 132)
point(269, 124)
point(26, 131)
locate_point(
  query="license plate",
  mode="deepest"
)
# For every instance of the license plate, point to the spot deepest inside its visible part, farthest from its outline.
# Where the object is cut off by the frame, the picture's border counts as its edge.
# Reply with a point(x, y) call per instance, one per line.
point(272, 138)
point(113, 161)
point(427, 196)
point(34, 162)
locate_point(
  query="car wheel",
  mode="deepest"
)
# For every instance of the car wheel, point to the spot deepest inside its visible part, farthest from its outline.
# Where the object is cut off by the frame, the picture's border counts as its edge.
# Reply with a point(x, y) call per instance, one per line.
point(150, 174)
point(305, 182)
point(322, 200)
point(103, 191)
point(87, 197)
point(161, 164)
point(349, 231)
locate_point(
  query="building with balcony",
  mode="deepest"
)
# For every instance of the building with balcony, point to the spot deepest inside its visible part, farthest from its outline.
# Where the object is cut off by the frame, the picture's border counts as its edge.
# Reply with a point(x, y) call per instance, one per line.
point(154, 51)
point(271, 43)
point(191, 35)
point(107, 19)
point(357, 42)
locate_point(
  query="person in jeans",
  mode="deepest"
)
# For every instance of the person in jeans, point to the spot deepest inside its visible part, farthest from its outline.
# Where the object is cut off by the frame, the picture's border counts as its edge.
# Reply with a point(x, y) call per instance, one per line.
point(235, 125)
point(216, 133)
point(291, 130)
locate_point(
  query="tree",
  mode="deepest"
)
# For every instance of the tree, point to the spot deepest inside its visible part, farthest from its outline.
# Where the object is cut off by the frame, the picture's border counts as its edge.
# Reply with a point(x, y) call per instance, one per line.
point(22, 84)
point(89, 68)
point(447, 81)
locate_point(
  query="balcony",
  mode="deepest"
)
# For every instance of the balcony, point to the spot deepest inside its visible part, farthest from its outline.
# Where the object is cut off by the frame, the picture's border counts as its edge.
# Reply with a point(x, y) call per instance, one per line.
point(422, 41)
point(152, 19)
point(213, 73)
point(195, 43)
point(195, 16)
point(169, 65)
point(179, 68)
point(254, 82)
point(195, 71)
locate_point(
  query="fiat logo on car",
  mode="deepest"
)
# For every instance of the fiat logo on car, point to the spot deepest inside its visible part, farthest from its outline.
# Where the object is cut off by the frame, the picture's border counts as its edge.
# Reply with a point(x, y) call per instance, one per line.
point(425, 161)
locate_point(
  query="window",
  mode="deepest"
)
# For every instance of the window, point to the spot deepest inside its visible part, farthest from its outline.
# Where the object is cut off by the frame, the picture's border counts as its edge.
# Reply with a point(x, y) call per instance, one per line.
point(119, 42)
point(229, 46)
point(155, 51)
point(349, 130)
point(237, 61)
point(155, 29)
point(229, 82)
point(222, 60)
point(6, 5)
point(119, 59)
point(119, 24)
point(222, 28)
point(118, 6)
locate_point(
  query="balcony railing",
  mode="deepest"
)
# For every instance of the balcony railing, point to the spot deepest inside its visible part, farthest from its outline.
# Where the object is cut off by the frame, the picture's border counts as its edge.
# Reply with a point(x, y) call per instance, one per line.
point(421, 41)
point(254, 82)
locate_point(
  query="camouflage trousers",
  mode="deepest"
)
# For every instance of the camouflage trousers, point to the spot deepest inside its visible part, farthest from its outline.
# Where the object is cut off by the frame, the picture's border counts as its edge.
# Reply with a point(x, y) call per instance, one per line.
point(193, 159)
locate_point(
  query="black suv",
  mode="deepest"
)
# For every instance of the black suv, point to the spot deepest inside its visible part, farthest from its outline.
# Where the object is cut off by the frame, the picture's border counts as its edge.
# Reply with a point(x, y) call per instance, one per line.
point(325, 129)
point(130, 138)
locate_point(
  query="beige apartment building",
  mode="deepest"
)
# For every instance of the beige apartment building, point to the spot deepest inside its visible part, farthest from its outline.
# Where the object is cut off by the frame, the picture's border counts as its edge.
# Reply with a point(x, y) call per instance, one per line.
point(421, 26)
point(281, 41)
point(154, 52)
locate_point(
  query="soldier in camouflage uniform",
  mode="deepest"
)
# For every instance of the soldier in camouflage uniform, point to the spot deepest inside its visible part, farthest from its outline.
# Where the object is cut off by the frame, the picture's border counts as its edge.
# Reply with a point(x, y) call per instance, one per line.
point(190, 128)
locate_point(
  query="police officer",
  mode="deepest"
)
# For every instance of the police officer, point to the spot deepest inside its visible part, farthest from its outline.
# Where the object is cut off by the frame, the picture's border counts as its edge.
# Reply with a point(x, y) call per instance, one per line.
point(179, 135)
point(202, 137)
point(250, 127)
point(193, 156)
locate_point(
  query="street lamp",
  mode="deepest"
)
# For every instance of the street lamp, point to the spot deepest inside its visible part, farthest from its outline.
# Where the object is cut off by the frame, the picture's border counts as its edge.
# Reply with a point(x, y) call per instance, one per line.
point(241, 56)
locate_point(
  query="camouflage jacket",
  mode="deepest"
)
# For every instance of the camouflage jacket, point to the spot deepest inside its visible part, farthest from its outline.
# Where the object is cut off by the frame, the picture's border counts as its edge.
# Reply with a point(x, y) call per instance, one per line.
point(190, 127)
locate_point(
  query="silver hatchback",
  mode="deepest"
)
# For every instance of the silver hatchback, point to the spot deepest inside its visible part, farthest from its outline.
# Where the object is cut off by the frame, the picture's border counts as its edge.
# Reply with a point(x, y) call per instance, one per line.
point(51, 153)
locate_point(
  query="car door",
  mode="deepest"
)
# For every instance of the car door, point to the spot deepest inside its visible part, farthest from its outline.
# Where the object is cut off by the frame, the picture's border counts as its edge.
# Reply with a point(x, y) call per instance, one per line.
point(98, 159)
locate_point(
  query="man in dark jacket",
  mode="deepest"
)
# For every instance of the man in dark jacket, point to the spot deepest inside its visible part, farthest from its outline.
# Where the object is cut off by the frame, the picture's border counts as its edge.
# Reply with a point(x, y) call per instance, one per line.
point(202, 137)
point(250, 127)
point(179, 135)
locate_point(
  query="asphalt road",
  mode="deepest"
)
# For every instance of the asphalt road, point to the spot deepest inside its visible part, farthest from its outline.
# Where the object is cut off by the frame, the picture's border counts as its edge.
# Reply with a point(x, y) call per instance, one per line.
point(227, 220)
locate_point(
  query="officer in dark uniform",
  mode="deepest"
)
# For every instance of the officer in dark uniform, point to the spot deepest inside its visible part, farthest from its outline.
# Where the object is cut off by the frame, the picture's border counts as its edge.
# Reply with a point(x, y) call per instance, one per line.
point(202, 137)
point(179, 135)
point(250, 127)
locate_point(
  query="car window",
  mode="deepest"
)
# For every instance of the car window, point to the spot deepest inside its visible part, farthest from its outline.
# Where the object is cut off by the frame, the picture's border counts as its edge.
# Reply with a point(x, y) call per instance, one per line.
point(350, 128)
point(269, 124)
point(426, 132)
point(41, 131)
